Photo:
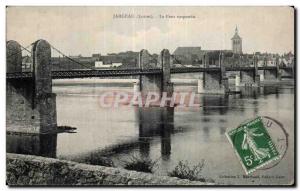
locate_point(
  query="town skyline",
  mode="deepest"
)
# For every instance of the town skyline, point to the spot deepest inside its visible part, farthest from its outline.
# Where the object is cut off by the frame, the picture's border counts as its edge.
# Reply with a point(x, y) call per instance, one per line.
point(90, 30)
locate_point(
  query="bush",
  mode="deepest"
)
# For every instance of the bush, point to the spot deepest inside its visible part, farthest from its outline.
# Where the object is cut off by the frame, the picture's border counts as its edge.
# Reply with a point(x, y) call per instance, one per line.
point(140, 164)
point(184, 171)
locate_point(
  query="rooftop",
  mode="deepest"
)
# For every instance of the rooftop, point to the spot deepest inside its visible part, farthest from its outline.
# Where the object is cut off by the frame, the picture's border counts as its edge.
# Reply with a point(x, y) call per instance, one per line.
point(187, 50)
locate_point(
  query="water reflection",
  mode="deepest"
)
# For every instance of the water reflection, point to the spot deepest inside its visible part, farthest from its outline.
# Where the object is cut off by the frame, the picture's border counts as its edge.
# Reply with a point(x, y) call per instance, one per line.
point(206, 134)
point(222, 130)
point(152, 123)
point(161, 133)
point(250, 92)
point(213, 104)
point(155, 121)
point(42, 145)
point(267, 90)
point(256, 92)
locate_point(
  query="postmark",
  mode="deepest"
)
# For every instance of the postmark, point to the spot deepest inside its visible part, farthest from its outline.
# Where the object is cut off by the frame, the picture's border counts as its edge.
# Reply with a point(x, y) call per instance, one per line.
point(253, 145)
point(280, 138)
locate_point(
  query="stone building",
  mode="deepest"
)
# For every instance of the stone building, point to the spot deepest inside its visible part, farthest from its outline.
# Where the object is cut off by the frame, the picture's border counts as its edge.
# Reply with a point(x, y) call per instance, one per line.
point(188, 55)
point(236, 43)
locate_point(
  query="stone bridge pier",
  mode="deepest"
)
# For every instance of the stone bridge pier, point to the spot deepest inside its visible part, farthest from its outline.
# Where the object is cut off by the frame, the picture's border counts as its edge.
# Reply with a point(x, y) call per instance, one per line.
point(250, 77)
point(165, 60)
point(287, 73)
point(30, 103)
point(273, 74)
point(247, 78)
point(155, 82)
point(214, 81)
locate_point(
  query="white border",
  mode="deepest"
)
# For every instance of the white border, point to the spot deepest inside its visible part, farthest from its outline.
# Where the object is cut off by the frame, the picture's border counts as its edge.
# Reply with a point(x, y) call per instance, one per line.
point(4, 3)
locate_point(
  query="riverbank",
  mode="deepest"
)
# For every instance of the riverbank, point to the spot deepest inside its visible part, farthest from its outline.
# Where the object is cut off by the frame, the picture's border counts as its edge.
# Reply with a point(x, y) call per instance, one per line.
point(25, 170)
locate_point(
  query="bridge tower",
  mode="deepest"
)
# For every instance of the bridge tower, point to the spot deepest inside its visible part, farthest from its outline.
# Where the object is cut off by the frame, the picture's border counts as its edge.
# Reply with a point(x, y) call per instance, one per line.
point(249, 76)
point(256, 74)
point(167, 86)
point(287, 72)
point(274, 73)
point(155, 82)
point(30, 103)
point(214, 79)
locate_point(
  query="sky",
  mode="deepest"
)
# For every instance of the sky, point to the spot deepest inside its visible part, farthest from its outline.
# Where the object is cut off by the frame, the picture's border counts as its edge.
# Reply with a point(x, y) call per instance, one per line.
point(89, 30)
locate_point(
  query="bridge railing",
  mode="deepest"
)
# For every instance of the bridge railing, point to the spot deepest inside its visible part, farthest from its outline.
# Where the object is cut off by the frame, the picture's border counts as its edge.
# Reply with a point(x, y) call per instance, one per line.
point(128, 72)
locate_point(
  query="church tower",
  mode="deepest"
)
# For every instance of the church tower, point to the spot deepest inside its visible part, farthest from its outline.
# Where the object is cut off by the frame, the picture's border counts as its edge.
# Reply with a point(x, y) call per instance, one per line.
point(236, 42)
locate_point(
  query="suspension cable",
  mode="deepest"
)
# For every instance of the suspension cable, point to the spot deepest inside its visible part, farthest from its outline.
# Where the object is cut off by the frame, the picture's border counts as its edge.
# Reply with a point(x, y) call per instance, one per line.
point(177, 61)
point(71, 58)
point(22, 48)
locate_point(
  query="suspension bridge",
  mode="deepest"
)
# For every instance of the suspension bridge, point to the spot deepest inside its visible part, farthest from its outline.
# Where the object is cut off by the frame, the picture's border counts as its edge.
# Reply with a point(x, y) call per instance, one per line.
point(87, 72)
point(31, 104)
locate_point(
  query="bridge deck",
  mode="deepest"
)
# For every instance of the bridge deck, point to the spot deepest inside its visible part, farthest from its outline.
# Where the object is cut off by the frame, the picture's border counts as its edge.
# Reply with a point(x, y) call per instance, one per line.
point(128, 72)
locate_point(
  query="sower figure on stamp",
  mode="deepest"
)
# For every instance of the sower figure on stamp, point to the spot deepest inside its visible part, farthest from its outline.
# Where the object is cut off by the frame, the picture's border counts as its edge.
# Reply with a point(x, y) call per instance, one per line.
point(248, 141)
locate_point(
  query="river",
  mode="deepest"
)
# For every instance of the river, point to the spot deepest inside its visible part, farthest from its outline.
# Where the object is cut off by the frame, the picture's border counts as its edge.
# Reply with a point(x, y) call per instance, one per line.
point(165, 135)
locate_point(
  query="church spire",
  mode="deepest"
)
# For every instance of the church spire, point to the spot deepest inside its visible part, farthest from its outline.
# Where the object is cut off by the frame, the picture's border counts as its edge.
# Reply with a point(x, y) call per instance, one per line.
point(236, 42)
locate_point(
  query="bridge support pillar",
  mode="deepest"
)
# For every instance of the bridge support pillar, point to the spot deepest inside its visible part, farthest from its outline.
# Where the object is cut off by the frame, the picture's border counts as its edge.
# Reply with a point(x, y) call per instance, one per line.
point(167, 86)
point(287, 73)
point(271, 75)
point(249, 78)
point(148, 82)
point(256, 74)
point(237, 80)
point(156, 82)
point(215, 81)
point(32, 144)
point(30, 103)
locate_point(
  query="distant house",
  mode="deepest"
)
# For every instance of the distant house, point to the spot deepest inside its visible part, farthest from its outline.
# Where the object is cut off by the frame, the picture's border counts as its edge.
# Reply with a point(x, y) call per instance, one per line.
point(287, 59)
point(101, 64)
point(116, 64)
point(96, 55)
point(187, 51)
point(195, 56)
point(188, 55)
point(111, 58)
point(126, 59)
point(267, 59)
point(212, 57)
point(73, 63)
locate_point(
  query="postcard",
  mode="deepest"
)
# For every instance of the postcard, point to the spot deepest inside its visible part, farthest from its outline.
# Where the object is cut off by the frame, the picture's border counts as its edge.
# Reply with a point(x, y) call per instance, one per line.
point(150, 96)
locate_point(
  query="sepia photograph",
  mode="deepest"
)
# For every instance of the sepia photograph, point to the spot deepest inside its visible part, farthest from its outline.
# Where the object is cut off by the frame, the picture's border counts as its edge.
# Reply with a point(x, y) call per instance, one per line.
point(193, 96)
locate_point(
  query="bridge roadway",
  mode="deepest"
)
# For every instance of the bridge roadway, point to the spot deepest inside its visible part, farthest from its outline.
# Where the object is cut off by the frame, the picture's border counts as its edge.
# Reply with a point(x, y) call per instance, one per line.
point(128, 72)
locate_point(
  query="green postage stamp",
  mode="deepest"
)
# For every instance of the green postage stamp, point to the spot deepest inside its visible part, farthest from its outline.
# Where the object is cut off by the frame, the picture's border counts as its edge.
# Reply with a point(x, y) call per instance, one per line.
point(253, 145)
